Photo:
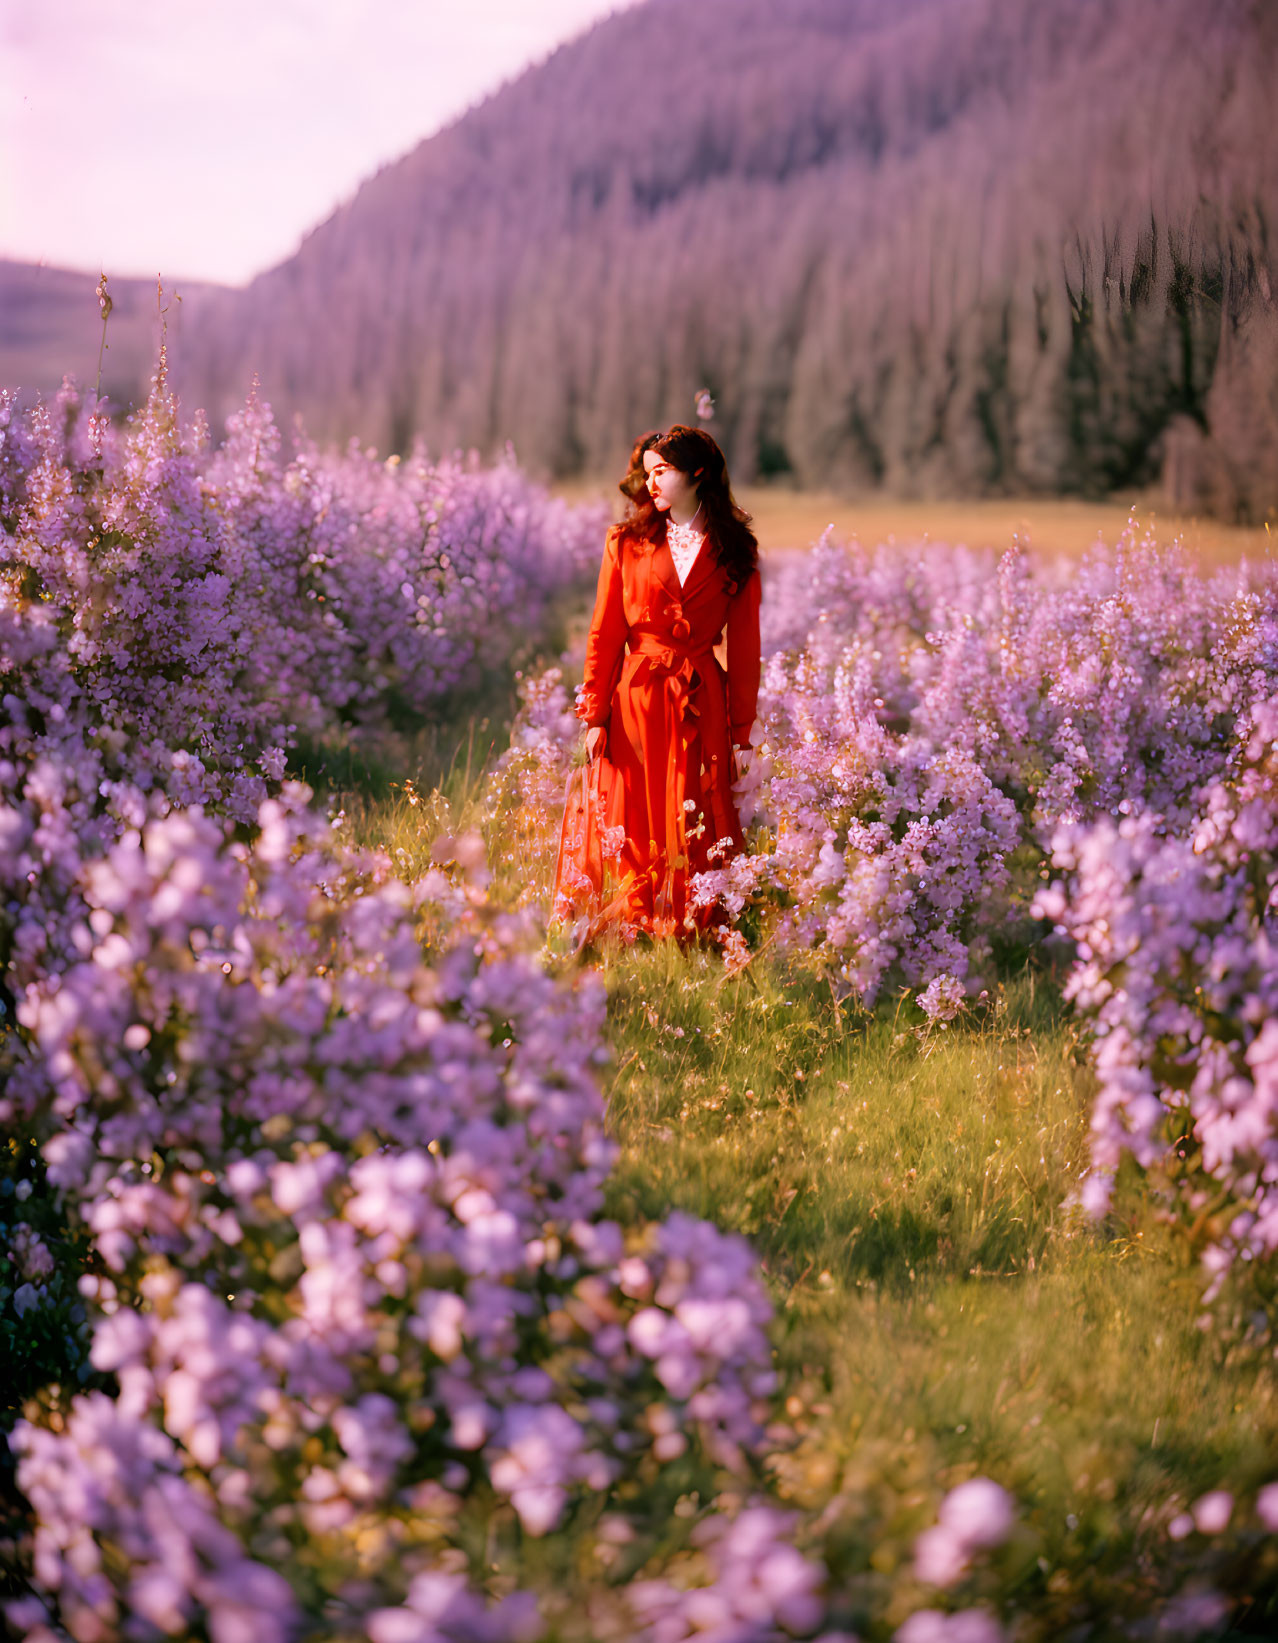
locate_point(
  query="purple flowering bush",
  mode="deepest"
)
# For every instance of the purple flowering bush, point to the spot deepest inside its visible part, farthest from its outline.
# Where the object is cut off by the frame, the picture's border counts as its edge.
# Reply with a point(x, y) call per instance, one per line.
point(759, 1585)
point(1112, 680)
point(120, 626)
point(353, 1283)
point(194, 611)
point(403, 580)
point(926, 728)
point(894, 853)
point(1177, 968)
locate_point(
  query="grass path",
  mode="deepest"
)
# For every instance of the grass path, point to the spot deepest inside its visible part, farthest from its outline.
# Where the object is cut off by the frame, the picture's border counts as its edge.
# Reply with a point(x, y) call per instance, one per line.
point(940, 1314)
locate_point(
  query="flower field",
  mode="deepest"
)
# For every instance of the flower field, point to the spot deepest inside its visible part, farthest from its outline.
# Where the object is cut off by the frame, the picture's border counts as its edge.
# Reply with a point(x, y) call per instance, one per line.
point(377, 1268)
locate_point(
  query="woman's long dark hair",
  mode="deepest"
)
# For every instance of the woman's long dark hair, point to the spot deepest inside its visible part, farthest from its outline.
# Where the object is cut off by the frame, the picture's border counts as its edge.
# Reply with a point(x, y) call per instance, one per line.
point(694, 453)
point(640, 512)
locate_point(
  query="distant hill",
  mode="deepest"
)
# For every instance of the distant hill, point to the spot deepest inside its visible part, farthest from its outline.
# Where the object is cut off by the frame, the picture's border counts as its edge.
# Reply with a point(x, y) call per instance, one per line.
point(961, 246)
point(51, 327)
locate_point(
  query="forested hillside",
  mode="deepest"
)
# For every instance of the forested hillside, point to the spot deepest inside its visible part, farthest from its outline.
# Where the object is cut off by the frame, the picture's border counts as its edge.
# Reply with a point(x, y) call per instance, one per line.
point(934, 245)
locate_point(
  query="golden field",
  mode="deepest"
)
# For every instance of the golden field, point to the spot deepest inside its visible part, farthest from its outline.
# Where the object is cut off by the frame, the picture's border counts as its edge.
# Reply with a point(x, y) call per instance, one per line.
point(1052, 526)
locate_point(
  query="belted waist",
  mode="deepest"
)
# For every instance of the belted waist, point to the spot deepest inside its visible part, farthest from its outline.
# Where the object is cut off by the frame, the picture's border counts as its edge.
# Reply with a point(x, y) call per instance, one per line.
point(668, 651)
point(659, 654)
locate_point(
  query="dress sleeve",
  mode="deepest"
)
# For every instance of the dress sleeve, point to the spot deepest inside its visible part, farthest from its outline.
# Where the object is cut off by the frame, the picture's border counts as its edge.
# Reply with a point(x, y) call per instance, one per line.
point(743, 661)
point(607, 642)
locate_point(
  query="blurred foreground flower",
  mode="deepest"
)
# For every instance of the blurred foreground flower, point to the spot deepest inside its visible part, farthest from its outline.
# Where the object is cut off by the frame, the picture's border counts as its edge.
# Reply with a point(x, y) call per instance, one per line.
point(976, 1516)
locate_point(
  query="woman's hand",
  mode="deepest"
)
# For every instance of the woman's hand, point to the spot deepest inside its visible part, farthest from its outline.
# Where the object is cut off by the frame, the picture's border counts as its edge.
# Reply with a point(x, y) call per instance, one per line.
point(594, 740)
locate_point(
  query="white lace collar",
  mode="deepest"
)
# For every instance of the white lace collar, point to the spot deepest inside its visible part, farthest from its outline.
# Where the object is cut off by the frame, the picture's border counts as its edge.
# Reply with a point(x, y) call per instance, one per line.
point(684, 542)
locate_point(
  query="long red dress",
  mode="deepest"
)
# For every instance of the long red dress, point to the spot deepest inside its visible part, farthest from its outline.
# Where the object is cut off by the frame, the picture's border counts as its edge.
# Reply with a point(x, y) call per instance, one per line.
point(671, 713)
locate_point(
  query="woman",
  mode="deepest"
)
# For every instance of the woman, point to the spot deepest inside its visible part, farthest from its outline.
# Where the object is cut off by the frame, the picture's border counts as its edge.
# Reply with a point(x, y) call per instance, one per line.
point(679, 574)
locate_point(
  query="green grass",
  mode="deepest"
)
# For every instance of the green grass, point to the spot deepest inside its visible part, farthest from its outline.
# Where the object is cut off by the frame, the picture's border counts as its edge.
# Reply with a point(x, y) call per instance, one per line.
point(449, 755)
point(940, 1311)
point(851, 1150)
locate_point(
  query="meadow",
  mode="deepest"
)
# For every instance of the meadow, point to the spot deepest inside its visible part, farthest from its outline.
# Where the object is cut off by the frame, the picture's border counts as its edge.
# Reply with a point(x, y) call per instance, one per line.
point(380, 1267)
point(788, 519)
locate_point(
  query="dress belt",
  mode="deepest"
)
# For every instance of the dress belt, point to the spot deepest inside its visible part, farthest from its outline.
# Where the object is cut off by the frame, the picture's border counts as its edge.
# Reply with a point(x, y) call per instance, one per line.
point(674, 660)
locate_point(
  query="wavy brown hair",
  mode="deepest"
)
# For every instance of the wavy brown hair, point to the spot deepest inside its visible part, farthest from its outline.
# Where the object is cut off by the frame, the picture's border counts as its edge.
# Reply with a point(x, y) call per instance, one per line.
point(640, 512)
point(694, 453)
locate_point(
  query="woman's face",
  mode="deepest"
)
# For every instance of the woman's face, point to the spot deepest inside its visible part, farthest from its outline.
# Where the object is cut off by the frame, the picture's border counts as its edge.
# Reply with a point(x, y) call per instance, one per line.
point(668, 487)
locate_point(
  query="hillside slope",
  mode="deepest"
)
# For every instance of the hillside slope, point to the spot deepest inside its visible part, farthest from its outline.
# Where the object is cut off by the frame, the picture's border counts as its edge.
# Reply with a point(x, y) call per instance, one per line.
point(934, 245)
point(51, 327)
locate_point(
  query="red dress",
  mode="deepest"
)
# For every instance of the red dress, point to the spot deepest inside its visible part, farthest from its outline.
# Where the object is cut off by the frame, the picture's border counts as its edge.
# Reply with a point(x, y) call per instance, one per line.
point(672, 713)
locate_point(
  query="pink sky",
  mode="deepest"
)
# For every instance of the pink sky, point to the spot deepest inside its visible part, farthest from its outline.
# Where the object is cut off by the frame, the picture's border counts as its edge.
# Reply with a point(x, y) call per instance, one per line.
point(202, 138)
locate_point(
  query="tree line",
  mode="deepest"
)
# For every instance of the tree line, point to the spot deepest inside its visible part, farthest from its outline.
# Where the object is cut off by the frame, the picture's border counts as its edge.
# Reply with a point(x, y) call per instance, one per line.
point(943, 246)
